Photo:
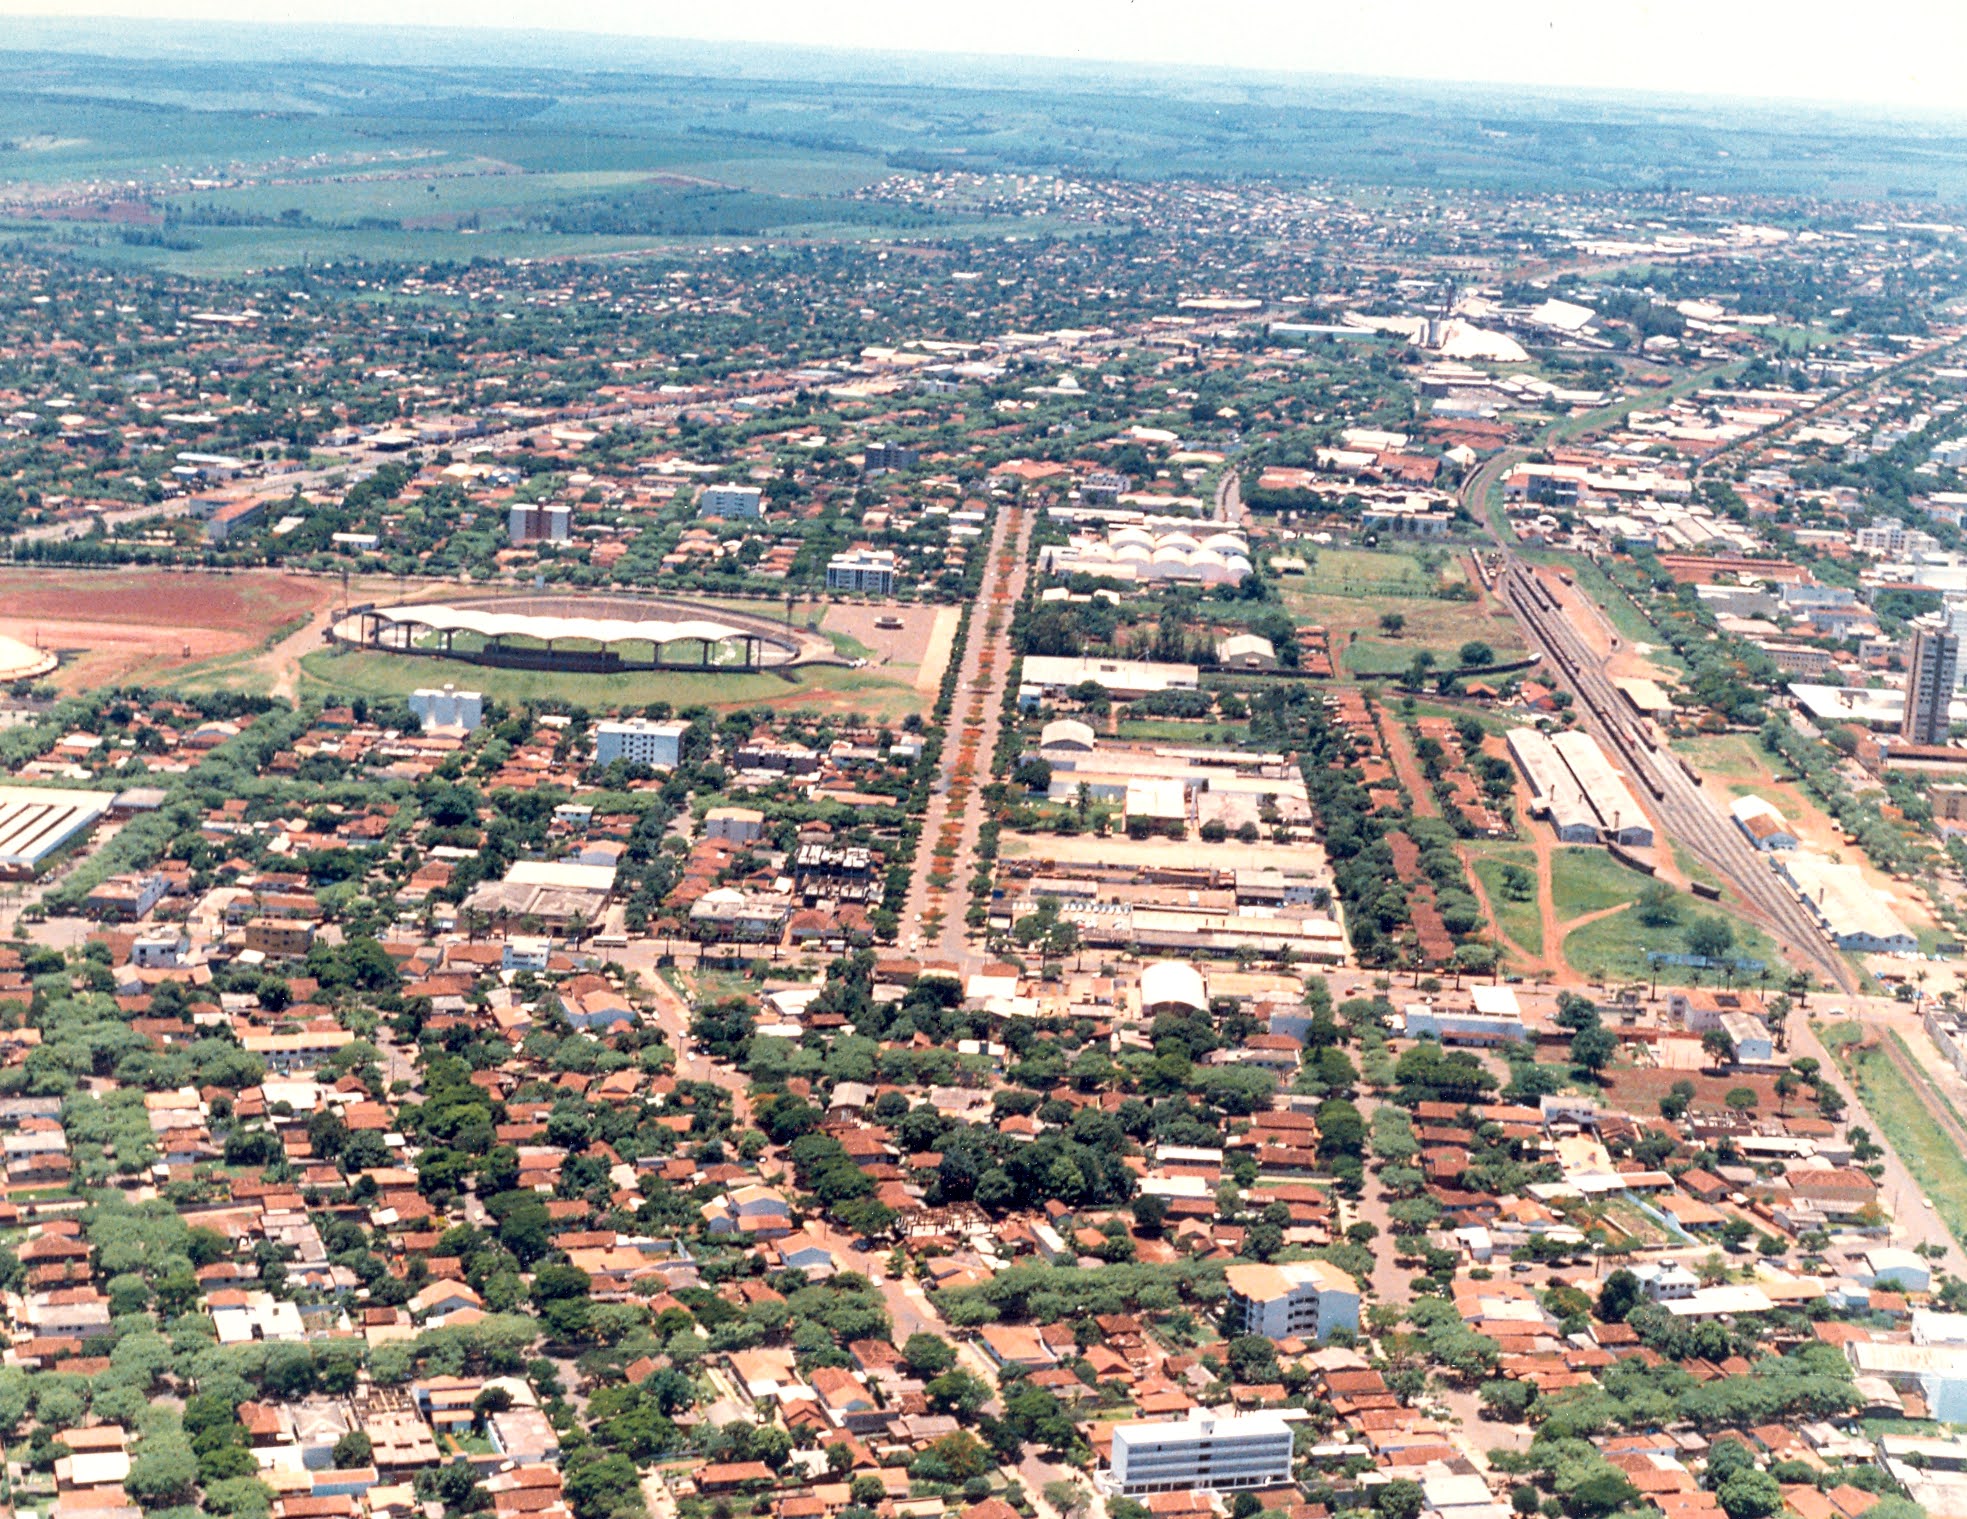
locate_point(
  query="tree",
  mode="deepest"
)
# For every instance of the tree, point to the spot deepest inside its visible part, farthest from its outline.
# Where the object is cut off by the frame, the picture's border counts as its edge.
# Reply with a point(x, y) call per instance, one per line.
point(1067, 1497)
point(1399, 1499)
point(1659, 907)
point(958, 1392)
point(1475, 653)
point(1594, 1048)
point(928, 1355)
point(1750, 1494)
point(353, 1450)
point(1741, 1099)
point(1619, 1296)
point(1710, 938)
point(1718, 1047)
point(1391, 623)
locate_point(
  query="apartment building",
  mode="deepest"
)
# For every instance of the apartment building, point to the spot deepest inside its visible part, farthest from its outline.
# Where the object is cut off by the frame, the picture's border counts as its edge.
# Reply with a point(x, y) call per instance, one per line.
point(1304, 1300)
point(640, 742)
point(870, 570)
point(1206, 1454)
point(1932, 671)
point(735, 501)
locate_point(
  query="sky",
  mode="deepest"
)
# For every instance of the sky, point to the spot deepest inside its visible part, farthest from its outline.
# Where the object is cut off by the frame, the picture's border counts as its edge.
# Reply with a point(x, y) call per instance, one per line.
point(1894, 53)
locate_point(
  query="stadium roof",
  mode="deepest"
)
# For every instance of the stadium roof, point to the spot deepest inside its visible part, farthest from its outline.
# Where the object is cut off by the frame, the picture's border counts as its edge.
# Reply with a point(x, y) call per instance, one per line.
point(491, 624)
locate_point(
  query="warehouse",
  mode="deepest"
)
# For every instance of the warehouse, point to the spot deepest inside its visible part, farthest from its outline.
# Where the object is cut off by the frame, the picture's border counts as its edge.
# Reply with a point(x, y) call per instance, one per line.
point(35, 823)
point(1051, 675)
point(1854, 914)
point(1619, 813)
point(1554, 791)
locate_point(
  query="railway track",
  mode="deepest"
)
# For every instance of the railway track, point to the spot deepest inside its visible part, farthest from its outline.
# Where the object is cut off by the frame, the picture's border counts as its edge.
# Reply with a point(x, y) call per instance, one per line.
point(1685, 812)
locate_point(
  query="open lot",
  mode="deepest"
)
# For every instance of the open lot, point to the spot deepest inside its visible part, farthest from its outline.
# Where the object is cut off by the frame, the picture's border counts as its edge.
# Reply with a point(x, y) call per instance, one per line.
point(118, 627)
point(1439, 627)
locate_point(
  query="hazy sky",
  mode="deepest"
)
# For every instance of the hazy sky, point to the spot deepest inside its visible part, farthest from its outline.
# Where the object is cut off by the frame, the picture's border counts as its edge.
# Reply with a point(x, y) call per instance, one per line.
point(1888, 52)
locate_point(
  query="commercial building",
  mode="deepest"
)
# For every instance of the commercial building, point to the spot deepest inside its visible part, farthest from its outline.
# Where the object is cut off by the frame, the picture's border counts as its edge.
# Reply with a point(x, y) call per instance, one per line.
point(869, 570)
point(1052, 675)
point(126, 898)
point(448, 708)
point(35, 823)
point(1305, 1300)
point(746, 501)
point(1932, 671)
point(529, 522)
point(640, 742)
point(734, 825)
point(1206, 1454)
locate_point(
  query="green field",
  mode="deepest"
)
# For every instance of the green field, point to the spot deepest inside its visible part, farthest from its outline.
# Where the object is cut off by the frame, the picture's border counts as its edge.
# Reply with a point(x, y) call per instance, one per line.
point(1440, 627)
point(1585, 880)
point(1929, 1153)
point(1614, 947)
point(827, 687)
point(1521, 921)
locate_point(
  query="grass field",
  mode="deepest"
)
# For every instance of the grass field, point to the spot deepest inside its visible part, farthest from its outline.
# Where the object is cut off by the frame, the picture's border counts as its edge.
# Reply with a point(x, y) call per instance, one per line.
point(1730, 756)
point(1926, 1149)
point(1614, 947)
point(1521, 921)
point(1585, 880)
point(826, 687)
point(1440, 627)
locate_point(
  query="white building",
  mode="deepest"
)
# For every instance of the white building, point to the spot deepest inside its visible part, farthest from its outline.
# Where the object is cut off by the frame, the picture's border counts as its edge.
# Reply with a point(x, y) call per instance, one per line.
point(1304, 1300)
point(731, 501)
point(527, 953)
point(1213, 1455)
point(871, 570)
point(448, 708)
point(640, 742)
point(1762, 824)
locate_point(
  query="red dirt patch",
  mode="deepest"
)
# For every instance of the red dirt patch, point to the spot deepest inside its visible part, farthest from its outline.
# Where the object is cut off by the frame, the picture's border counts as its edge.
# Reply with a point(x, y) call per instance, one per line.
point(116, 627)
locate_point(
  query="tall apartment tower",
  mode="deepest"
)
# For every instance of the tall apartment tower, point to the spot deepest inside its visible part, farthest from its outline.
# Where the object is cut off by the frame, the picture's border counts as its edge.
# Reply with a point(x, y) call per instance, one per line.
point(1932, 670)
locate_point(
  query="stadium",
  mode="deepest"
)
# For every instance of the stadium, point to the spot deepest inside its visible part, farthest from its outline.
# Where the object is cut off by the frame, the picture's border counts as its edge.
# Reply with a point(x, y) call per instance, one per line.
point(584, 635)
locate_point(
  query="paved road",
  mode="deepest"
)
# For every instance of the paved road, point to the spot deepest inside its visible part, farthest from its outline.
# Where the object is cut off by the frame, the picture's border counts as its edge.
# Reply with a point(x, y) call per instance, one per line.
point(956, 810)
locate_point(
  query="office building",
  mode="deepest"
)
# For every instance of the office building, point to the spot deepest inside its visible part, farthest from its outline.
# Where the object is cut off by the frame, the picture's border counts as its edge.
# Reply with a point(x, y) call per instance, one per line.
point(871, 570)
point(1932, 671)
point(731, 501)
point(448, 708)
point(1305, 1300)
point(640, 742)
point(1206, 1454)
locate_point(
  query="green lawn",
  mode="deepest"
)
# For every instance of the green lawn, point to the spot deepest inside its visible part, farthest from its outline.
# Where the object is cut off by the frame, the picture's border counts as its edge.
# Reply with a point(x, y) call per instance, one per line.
point(1909, 1127)
point(1587, 880)
point(1614, 947)
point(1521, 921)
point(389, 675)
point(1690, 866)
